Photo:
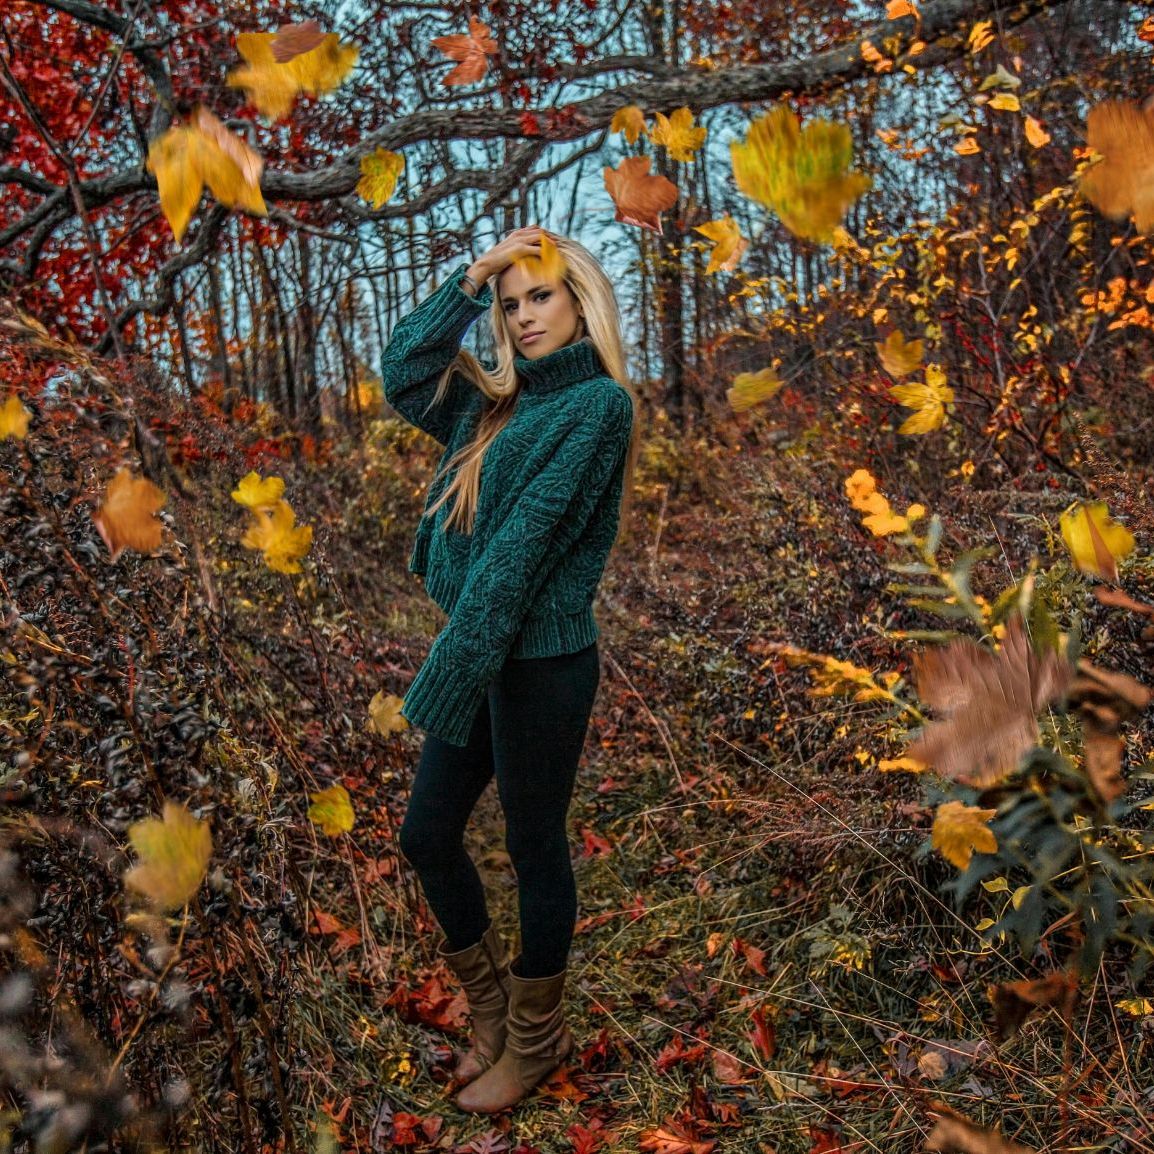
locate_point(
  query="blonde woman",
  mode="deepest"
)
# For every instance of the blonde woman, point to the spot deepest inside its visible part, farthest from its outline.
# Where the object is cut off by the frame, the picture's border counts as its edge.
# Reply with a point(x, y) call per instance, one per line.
point(520, 518)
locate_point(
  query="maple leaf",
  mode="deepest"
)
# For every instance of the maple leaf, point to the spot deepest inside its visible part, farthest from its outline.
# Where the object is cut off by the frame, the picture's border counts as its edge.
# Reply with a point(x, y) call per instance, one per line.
point(126, 518)
point(379, 173)
point(332, 810)
point(385, 714)
point(802, 175)
point(927, 398)
point(14, 418)
point(1096, 542)
point(899, 356)
point(640, 198)
point(471, 52)
point(254, 493)
point(293, 39)
point(990, 700)
point(174, 851)
point(678, 134)
point(274, 534)
point(959, 829)
point(1122, 184)
point(751, 389)
point(631, 121)
point(728, 244)
point(273, 86)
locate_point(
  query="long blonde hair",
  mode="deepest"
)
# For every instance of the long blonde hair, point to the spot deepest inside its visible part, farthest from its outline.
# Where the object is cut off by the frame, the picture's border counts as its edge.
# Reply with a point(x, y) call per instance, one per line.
point(587, 281)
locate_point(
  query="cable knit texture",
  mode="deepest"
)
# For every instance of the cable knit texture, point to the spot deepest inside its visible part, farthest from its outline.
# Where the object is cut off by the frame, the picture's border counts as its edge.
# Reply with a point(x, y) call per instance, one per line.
point(522, 583)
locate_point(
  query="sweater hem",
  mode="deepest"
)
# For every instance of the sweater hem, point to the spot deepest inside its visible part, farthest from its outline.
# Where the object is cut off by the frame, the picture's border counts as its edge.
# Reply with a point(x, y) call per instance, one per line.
point(551, 637)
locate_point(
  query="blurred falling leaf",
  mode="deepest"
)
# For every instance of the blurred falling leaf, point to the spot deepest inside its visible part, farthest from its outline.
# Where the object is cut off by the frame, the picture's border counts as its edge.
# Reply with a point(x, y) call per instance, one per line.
point(469, 50)
point(1014, 1002)
point(1122, 183)
point(928, 399)
point(1103, 700)
point(802, 175)
point(1095, 542)
point(678, 134)
point(549, 266)
point(751, 389)
point(899, 356)
point(953, 1134)
point(273, 86)
point(174, 851)
point(728, 245)
point(274, 533)
point(990, 701)
point(14, 418)
point(640, 198)
point(959, 829)
point(631, 121)
point(126, 518)
point(254, 493)
point(293, 39)
point(332, 810)
point(385, 714)
point(379, 173)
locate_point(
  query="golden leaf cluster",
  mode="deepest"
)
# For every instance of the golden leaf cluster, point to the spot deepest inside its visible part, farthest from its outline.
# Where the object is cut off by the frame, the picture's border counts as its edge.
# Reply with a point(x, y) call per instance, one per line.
point(204, 152)
point(174, 852)
point(879, 519)
point(273, 529)
point(127, 518)
point(802, 174)
point(273, 79)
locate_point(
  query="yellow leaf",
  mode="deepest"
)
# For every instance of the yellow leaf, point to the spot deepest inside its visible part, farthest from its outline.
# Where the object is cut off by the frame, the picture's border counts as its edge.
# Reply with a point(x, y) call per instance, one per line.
point(230, 168)
point(1096, 542)
point(126, 518)
point(385, 714)
point(379, 173)
point(967, 147)
point(859, 487)
point(174, 851)
point(871, 55)
point(273, 533)
point(960, 829)
point(1006, 102)
point(254, 493)
point(631, 121)
point(273, 86)
point(980, 36)
point(178, 179)
point(332, 810)
point(549, 266)
point(927, 398)
point(1135, 1007)
point(899, 356)
point(1035, 133)
point(678, 134)
point(1001, 77)
point(895, 764)
point(729, 244)
point(751, 389)
point(14, 419)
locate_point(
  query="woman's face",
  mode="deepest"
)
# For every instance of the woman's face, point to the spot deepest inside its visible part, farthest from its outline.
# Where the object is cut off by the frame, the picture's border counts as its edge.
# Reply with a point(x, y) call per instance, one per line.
point(535, 305)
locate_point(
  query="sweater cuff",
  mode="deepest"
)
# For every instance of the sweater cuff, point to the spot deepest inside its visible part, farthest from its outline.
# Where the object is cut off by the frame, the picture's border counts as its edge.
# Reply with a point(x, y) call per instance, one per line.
point(484, 297)
point(443, 702)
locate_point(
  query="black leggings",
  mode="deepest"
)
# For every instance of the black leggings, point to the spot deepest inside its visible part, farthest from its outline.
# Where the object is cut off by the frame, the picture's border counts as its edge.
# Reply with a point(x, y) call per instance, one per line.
point(530, 732)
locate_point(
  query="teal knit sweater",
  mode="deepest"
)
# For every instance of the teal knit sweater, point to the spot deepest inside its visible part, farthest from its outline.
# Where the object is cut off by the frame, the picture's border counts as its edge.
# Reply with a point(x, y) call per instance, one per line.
point(522, 583)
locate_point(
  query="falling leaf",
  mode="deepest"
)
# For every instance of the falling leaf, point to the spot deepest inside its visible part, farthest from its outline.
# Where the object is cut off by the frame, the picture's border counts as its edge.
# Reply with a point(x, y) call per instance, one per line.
point(1014, 1002)
point(174, 851)
point(728, 245)
point(1122, 183)
point(1095, 541)
point(14, 418)
point(959, 829)
point(1035, 133)
point(901, 764)
point(896, 9)
point(273, 533)
point(471, 52)
point(549, 267)
point(802, 175)
point(751, 389)
point(953, 1134)
point(293, 39)
point(990, 701)
point(1006, 102)
point(385, 714)
point(899, 356)
point(273, 86)
point(126, 518)
point(332, 810)
point(980, 36)
point(631, 121)
point(379, 173)
point(254, 493)
point(678, 134)
point(927, 398)
point(967, 146)
point(640, 198)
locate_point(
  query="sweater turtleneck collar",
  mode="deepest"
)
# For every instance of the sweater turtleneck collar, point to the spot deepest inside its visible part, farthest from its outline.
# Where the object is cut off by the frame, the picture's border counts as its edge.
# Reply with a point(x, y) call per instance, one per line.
point(564, 366)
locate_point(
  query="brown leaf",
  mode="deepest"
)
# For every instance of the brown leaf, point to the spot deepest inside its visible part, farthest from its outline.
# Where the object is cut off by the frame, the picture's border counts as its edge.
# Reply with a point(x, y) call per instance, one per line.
point(991, 701)
point(954, 1134)
point(1015, 1001)
point(126, 518)
point(296, 39)
point(640, 198)
point(1119, 600)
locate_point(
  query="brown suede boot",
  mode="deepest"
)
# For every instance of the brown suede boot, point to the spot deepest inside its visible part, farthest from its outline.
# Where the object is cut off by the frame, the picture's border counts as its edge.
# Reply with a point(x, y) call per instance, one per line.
point(483, 970)
point(538, 1041)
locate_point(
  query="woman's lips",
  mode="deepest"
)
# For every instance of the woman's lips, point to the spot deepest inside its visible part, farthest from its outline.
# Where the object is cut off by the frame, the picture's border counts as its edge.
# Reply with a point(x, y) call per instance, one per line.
point(529, 338)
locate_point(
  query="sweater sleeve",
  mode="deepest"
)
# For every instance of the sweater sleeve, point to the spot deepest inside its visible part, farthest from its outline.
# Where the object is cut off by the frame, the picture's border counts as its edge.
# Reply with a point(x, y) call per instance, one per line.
point(448, 689)
point(422, 345)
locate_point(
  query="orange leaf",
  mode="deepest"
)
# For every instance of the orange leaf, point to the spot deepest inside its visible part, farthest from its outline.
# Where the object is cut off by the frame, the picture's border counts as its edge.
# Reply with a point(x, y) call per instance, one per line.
point(640, 198)
point(126, 518)
point(469, 50)
point(1123, 183)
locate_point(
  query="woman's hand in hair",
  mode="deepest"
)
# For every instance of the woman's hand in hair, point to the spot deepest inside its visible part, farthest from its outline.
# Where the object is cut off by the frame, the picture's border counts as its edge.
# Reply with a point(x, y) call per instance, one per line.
point(520, 243)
